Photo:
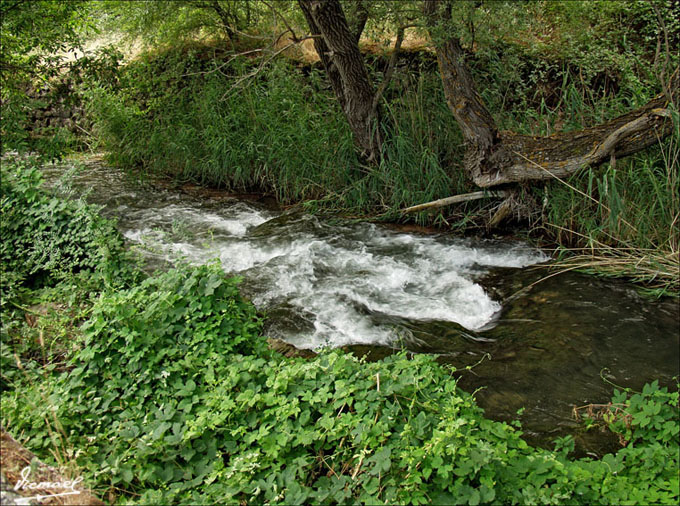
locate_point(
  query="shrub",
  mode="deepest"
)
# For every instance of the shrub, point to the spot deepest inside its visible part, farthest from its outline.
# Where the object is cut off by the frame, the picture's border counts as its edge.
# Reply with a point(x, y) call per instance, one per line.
point(45, 239)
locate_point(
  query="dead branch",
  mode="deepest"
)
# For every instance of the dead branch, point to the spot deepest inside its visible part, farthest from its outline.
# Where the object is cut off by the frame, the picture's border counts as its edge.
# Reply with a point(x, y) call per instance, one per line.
point(391, 66)
point(609, 144)
point(263, 65)
point(285, 22)
point(465, 197)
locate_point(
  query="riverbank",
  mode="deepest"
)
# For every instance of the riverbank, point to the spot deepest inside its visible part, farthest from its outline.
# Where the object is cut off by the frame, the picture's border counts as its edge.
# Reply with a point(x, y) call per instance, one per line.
point(169, 114)
point(329, 281)
point(253, 111)
point(97, 377)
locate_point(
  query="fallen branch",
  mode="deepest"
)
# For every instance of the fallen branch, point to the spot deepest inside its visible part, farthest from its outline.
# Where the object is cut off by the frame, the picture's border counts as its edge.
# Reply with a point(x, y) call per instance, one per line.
point(465, 197)
point(609, 144)
point(502, 213)
point(390, 66)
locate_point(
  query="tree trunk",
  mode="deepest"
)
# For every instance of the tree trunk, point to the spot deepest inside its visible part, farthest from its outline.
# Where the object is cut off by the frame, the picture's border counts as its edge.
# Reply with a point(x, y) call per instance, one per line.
point(225, 18)
point(493, 158)
point(526, 158)
point(360, 16)
point(339, 52)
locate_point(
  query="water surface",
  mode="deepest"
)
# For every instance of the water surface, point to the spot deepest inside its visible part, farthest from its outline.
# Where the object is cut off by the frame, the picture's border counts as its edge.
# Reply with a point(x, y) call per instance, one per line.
point(544, 345)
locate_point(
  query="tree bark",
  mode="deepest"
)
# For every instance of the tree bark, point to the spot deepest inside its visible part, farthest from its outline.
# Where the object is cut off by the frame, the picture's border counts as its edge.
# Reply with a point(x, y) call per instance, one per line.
point(527, 158)
point(225, 18)
point(493, 158)
point(360, 18)
point(478, 126)
point(339, 51)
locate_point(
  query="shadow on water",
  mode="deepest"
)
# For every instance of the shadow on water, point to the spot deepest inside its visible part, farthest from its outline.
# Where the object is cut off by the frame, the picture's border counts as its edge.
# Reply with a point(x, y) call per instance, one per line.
point(541, 345)
point(563, 342)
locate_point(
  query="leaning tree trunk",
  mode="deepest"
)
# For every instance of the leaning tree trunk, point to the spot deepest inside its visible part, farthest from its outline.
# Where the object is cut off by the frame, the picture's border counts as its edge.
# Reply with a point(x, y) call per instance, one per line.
point(338, 49)
point(493, 158)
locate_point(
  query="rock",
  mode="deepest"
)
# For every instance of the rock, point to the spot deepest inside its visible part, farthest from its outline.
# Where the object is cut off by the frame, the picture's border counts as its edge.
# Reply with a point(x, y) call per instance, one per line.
point(288, 350)
point(14, 458)
point(7, 495)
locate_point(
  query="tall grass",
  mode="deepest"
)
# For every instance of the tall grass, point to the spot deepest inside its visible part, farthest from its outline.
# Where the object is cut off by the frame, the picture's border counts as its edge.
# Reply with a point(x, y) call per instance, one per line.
point(623, 221)
point(620, 221)
point(282, 133)
point(179, 113)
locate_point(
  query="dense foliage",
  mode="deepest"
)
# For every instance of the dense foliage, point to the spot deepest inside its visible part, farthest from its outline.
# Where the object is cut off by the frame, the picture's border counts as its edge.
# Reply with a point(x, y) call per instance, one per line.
point(167, 393)
point(183, 113)
point(32, 34)
point(162, 389)
point(45, 239)
point(214, 98)
point(192, 112)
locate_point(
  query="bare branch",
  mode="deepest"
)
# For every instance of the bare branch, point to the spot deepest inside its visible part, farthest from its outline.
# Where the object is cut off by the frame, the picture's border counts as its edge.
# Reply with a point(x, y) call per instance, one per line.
point(285, 22)
point(262, 65)
point(465, 197)
point(224, 64)
point(391, 66)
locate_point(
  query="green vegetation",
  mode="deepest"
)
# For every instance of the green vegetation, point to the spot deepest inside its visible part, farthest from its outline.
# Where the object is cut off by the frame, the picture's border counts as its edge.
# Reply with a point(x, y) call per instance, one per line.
point(47, 239)
point(231, 115)
point(31, 34)
point(622, 221)
point(214, 98)
point(174, 114)
point(162, 390)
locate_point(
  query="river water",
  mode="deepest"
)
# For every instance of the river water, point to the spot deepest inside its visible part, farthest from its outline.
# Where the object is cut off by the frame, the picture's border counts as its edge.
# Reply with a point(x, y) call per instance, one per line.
point(544, 345)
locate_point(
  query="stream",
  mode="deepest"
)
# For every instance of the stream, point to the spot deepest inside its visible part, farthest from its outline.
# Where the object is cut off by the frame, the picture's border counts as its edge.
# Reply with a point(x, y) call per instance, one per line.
point(541, 344)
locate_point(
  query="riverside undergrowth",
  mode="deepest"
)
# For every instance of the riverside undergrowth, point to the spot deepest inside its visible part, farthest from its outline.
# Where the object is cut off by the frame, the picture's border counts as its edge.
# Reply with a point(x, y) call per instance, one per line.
point(167, 394)
point(196, 112)
point(183, 113)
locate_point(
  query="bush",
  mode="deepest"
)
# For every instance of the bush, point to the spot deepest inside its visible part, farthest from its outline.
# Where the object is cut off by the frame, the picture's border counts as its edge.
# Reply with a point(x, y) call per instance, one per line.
point(45, 239)
point(148, 357)
point(252, 428)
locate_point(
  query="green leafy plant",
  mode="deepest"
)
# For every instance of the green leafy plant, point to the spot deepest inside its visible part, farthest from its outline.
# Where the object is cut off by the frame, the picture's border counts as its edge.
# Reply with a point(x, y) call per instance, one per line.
point(650, 416)
point(45, 239)
point(170, 395)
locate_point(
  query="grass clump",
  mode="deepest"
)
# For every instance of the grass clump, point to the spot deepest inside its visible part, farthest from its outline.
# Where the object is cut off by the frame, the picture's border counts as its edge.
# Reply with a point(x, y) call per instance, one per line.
point(623, 220)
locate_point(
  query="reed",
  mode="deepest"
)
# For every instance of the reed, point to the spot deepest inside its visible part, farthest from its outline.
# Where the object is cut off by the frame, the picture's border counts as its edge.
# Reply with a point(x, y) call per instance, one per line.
point(194, 117)
point(281, 134)
point(623, 221)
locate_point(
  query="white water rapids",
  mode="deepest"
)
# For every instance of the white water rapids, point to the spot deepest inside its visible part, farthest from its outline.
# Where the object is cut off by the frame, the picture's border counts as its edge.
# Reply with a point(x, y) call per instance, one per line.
point(345, 283)
point(322, 282)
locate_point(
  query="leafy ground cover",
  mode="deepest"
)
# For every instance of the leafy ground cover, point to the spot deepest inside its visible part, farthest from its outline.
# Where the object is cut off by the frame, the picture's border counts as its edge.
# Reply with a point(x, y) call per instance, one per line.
point(162, 390)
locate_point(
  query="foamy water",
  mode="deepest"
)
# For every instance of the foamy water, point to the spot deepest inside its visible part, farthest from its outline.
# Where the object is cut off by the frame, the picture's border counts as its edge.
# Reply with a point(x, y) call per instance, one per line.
point(342, 282)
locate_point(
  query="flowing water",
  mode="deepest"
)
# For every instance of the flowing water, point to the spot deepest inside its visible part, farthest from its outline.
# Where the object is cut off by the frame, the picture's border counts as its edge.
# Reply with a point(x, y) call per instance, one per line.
point(545, 345)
